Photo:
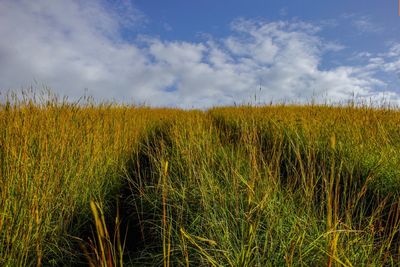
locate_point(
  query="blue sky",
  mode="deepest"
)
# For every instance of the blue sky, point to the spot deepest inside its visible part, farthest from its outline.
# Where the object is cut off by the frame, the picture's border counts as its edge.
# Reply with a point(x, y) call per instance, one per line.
point(185, 19)
point(203, 53)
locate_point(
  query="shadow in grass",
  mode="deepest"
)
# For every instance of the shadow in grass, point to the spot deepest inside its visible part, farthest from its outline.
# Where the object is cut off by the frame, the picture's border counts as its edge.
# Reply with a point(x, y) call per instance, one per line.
point(138, 214)
point(355, 194)
point(139, 206)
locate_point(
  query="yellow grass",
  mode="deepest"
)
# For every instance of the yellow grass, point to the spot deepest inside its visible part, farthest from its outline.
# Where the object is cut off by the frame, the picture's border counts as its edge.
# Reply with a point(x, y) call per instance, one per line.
point(279, 185)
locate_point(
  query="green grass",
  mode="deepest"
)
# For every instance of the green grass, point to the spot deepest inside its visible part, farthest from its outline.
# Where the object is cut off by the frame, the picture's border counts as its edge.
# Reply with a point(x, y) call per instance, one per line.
point(116, 185)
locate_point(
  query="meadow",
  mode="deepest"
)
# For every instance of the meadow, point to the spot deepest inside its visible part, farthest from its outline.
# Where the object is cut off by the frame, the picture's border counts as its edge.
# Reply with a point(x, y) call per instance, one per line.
point(280, 185)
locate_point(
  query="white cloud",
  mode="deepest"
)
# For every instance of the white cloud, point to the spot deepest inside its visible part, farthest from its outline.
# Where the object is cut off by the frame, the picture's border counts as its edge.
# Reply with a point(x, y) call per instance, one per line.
point(72, 45)
point(365, 24)
point(394, 51)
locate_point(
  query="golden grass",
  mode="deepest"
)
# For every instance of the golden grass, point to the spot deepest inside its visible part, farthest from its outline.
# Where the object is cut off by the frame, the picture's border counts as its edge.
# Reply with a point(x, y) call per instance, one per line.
point(53, 160)
point(267, 186)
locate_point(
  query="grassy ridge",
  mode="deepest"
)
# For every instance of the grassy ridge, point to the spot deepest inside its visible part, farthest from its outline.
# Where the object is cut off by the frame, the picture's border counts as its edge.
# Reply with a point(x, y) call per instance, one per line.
point(269, 186)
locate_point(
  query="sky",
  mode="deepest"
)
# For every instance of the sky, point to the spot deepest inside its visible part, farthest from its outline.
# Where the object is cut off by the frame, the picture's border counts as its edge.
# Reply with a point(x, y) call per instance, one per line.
point(200, 54)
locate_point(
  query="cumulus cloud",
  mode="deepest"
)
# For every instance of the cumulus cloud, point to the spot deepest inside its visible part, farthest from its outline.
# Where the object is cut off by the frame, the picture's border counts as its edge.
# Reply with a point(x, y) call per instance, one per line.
point(73, 45)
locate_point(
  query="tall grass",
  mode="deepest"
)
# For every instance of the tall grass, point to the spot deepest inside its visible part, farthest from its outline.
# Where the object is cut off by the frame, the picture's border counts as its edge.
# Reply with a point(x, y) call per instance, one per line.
point(274, 186)
point(266, 186)
point(54, 158)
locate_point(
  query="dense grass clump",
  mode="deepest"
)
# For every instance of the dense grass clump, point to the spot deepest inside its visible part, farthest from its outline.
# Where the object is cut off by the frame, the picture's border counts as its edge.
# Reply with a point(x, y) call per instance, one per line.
point(268, 186)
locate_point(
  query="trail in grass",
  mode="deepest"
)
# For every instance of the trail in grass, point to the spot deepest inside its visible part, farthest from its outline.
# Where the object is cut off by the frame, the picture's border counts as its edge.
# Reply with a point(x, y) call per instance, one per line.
point(270, 186)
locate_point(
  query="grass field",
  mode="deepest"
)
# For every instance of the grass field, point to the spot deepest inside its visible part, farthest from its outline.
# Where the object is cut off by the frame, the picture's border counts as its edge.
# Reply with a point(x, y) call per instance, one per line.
point(112, 185)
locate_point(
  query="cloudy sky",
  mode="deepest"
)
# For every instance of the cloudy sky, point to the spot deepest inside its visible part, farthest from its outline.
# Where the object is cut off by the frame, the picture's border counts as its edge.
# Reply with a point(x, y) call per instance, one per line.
point(203, 53)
